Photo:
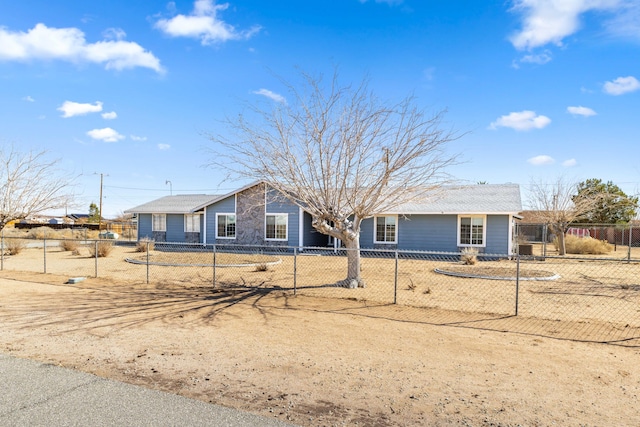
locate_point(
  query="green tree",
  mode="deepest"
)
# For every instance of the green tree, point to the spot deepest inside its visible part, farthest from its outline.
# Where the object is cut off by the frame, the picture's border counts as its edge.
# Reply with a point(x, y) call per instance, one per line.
point(94, 213)
point(612, 205)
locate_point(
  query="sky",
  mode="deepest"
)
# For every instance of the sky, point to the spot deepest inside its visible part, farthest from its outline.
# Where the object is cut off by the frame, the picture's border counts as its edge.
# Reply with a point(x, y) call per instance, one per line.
point(124, 93)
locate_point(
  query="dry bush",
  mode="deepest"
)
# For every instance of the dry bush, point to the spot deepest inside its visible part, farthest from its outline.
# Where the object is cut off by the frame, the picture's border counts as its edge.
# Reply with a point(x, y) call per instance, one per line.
point(41, 233)
point(145, 244)
point(469, 256)
point(262, 267)
point(69, 245)
point(585, 245)
point(14, 246)
point(103, 248)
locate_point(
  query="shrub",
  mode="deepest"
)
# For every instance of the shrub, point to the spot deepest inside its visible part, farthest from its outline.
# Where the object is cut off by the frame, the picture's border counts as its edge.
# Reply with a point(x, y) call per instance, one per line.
point(469, 256)
point(262, 267)
point(145, 244)
point(15, 246)
point(584, 245)
point(43, 233)
point(103, 247)
point(69, 245)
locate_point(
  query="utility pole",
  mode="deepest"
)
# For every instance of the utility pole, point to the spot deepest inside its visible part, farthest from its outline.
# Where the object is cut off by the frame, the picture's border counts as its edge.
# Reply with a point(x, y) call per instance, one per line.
point(100, 207)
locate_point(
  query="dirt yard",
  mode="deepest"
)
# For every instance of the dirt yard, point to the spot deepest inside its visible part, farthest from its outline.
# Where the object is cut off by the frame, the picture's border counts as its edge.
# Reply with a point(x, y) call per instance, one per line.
point(319, 361)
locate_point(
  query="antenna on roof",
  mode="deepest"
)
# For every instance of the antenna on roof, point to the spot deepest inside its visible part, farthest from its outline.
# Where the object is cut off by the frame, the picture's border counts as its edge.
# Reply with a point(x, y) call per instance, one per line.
point(170, 187)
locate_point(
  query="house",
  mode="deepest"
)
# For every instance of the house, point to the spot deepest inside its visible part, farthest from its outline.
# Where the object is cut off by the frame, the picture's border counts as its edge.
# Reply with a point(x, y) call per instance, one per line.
point(479, 216)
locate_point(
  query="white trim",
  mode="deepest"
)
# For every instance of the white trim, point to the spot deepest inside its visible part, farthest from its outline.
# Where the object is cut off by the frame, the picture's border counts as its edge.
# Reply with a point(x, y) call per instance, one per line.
point(236, 223)
point(204, 226)
point(286, 215)
point(375, 230)
point(300, 227)
point(484, 231)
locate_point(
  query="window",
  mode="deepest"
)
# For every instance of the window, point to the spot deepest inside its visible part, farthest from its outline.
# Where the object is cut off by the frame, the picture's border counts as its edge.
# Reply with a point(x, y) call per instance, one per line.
point(276, 227)
point(226, 226)
point(386, 229)
point(159, 222)
point(192, 223)
point(472, 230)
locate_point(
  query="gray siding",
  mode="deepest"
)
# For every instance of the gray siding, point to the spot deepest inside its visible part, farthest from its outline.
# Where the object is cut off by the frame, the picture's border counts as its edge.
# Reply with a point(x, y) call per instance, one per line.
point(497, 234)
point(438, 233)
point(175, 228)
point(293, 226)
point(227, 205)
point(312, 237)
point(144, 226)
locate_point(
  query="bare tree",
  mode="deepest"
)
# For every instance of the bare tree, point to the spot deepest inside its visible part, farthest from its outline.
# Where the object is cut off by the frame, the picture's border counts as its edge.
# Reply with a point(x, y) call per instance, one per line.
point(559, 204)
point(339, 153)
point(30, 183)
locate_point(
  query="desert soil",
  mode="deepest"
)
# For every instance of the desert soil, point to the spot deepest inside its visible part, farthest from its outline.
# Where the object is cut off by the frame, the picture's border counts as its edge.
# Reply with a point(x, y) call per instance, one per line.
point(317, 361)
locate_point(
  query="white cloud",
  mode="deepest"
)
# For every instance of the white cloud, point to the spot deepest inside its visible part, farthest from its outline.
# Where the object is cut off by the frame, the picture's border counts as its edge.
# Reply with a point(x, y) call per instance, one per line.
point(621, 85)
point(105, 134)
point(541, 160)
point(70, 109)
point(626, 23)
point(523, 120)
point(204, 24)
point(138, 138)
point(271, 95)
point(550, 21)
point(569, 163)
point(114, 34)
point(540, 59)
point(163, 147)
point(581, 111)
point(28, 99)
point(69, 44)
point(110, 115)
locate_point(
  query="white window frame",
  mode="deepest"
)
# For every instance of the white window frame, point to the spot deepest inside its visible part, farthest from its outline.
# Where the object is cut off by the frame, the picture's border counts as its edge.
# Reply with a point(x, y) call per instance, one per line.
point(218, 215)
point(159, 222)
point(484, 231)
point(286, 231)
point(375, 230)
point(192, 223)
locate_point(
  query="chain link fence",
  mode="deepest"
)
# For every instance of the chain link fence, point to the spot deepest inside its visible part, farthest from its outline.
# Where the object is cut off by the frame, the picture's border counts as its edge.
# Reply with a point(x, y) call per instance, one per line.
point(572, 297)
point(540, 240)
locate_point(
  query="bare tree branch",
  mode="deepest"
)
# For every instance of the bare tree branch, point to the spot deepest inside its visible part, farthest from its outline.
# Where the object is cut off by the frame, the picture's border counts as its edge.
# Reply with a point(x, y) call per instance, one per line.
point(338, 152)
point(30, 183)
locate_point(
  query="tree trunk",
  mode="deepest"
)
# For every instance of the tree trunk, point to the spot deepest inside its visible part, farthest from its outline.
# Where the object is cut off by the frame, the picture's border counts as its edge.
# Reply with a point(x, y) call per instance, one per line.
point(354, 279)
point(562, 248)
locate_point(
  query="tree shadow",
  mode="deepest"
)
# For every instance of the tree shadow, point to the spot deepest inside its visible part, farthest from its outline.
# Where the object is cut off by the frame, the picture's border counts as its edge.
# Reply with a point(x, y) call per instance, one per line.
point(101, 308)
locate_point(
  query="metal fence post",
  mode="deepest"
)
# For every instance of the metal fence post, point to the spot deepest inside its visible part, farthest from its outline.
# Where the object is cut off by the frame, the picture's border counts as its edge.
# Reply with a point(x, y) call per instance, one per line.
point(96, 248)
point(148, 248)
point(214, 265)
point(295, 270)
point(517, 281)
point(44, 252)
point(395, 280)
point(630, 236)
point(2, 250)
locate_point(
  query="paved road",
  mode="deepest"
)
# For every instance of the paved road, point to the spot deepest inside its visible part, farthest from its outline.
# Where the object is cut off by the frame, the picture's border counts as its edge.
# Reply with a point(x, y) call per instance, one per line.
point(36, 394)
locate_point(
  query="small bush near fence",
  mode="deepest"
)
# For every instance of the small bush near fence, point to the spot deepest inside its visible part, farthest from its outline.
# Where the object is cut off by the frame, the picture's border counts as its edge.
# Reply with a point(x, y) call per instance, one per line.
point(15, 246)
point(70, 245)
point(469, 256)
point(101, 249)
point(585, 245)
point(145, 245)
